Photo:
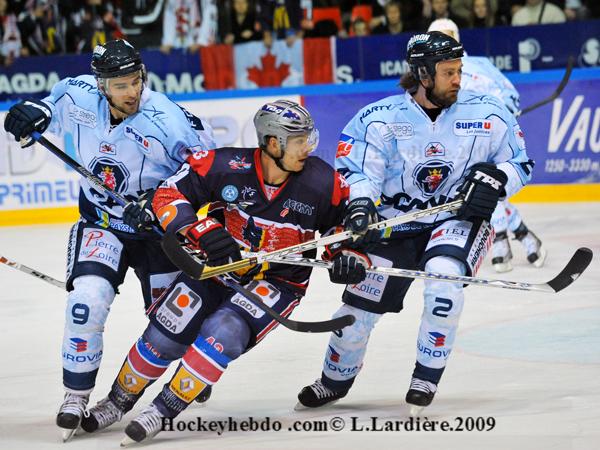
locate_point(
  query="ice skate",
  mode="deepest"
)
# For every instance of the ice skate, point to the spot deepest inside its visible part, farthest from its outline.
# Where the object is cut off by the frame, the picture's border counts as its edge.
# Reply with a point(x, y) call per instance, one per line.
point(70, 413)
point(104, 414)
point(144, 427)
point(204, 396)
point(536, 253)
point(419, 395)
point(317, 395)
point(501, 253)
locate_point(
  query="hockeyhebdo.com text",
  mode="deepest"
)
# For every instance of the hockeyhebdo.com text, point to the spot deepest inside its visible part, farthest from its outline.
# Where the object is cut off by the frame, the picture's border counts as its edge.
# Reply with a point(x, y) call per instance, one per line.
point(334, 424)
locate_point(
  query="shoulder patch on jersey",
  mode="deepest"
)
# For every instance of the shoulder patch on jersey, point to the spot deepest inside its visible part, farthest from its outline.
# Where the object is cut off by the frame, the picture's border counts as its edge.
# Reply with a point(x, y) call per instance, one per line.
point(398, 130)
point(138, 138)
point(344, 146)
point(519, 136)
point(473, 127)
point(82, 116)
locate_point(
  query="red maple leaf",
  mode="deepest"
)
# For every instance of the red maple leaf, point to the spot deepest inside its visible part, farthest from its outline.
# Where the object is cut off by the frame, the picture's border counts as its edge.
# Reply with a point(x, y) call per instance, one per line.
point(269, 75)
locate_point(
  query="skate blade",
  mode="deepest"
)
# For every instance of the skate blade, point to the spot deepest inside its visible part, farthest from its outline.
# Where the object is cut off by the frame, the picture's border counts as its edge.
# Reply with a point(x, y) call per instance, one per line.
point(540, 261)
point(128, 442)
point(503, 267)
point(416, 410)
point(300, 407)
point(67, 434)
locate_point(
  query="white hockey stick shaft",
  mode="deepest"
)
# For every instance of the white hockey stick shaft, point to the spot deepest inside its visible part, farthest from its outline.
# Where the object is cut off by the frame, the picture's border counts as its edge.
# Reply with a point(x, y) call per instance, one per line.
point(32, 272)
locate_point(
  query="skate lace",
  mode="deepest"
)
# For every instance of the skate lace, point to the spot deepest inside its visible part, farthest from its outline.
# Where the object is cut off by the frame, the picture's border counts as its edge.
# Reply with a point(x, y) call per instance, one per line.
point(422, 385)
point(320, 390)
point(73, 404)
point(106, 413)
point(150, 419)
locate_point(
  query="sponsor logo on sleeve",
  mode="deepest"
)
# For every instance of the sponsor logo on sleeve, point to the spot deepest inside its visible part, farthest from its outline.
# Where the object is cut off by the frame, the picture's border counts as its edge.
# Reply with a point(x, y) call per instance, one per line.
point(400, 131)
point(82, 116)
point(519, 136)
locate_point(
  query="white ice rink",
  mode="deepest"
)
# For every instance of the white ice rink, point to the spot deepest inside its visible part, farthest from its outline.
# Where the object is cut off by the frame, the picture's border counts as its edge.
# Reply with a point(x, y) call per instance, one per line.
point(529, 360)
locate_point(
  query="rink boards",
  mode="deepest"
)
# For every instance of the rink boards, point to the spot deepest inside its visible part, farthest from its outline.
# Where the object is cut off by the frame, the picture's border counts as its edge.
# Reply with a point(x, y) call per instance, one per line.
point(563, 137)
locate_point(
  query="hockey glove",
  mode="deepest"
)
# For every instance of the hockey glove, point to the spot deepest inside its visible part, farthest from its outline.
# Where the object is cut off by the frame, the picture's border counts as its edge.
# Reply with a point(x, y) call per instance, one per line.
point(349, 267)
point(360, 213)
point(139, 215)
point(482, 187)
point(25, 117)
point(217, 244)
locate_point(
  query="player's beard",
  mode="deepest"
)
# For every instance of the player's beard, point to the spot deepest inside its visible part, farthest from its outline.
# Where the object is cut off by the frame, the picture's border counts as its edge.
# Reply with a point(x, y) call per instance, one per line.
point(444, 100)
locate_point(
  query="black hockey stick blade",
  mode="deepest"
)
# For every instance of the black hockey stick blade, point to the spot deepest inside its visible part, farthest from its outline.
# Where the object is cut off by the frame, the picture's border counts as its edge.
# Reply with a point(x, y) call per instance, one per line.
point(561, 86)
point(192, 267)
point(574, 268)
point(304, 327)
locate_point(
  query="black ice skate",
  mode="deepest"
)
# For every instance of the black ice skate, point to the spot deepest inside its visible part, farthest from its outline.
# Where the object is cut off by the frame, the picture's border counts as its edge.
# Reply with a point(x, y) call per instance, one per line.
point(104, 414)
point(501, 253)
point(70, 413)
point(317, 395)
point(144, 427)
point(204, 395)
point(420, 394)
point(536, 254)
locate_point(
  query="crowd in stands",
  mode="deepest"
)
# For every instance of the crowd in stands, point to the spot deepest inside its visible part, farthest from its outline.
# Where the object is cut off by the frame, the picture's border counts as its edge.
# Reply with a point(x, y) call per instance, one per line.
point(46, 27)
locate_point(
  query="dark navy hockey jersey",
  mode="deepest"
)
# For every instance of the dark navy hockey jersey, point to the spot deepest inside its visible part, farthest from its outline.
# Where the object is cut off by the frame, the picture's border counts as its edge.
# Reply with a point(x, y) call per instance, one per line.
point(231, 179)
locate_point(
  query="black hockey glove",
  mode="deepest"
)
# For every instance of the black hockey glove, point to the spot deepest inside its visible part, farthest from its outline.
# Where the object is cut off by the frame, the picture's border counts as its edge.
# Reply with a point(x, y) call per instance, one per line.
point(349, 267)
point(217, 244)
point(482, 187)
point(139, 215)
point(25, 117)
point(360, 213)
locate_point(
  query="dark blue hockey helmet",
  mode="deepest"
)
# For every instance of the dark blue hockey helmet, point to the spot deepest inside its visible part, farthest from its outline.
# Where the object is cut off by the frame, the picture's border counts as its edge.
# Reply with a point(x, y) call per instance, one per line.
point(425, 50)
point(116, 59)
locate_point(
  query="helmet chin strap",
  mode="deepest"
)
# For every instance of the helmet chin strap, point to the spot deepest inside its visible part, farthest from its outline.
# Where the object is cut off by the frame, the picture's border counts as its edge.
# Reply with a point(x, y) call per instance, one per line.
point(277, 160)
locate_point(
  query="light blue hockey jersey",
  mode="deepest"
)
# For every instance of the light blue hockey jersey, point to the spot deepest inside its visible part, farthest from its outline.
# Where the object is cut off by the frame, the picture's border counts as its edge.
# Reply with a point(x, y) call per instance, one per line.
point(392, 151)
point(481, 76)
point(132, 157)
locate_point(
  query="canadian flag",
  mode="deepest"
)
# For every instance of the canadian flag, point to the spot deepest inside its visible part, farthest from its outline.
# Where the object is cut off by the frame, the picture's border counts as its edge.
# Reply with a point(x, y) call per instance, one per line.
point(255, 65)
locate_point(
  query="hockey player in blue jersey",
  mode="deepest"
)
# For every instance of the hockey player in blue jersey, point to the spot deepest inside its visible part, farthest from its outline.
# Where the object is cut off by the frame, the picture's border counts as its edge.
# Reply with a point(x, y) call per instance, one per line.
point(408, 152)
point(480, 75)
point(131, 138)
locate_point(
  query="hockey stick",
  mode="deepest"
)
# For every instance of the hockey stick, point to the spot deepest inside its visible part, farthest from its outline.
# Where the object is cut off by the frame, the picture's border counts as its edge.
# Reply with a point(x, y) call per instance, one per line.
point(198, 270)
point(32, 272)
point(307, 327)
point(575, 267)
point(557, 91)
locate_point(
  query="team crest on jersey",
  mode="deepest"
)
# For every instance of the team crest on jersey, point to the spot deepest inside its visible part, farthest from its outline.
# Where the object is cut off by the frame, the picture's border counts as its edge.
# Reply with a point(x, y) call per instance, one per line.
point(108, 149)
point(138, 138)
point(239, 163)
point(344, 145)
point(112, 173)
point(229, 193)
point(432, 175)
point(435, 149)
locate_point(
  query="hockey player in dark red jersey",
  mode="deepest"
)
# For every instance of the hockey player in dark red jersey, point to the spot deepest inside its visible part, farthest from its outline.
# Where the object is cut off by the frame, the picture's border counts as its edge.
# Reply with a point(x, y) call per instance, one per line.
point(266, 198)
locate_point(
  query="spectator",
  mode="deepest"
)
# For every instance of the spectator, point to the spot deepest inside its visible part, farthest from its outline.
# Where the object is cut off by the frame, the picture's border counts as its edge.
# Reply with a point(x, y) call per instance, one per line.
point(42, 28)
point(360, 27)
point(538, 12)
point(280, 19)
point(10, 38)
point(412, 12)
point(239, 23)
point(94, 23)
point(464, 8)
point(393, 20)
point(574, 10)
point(440, 9)
point(189, 24)
point(482, 14)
